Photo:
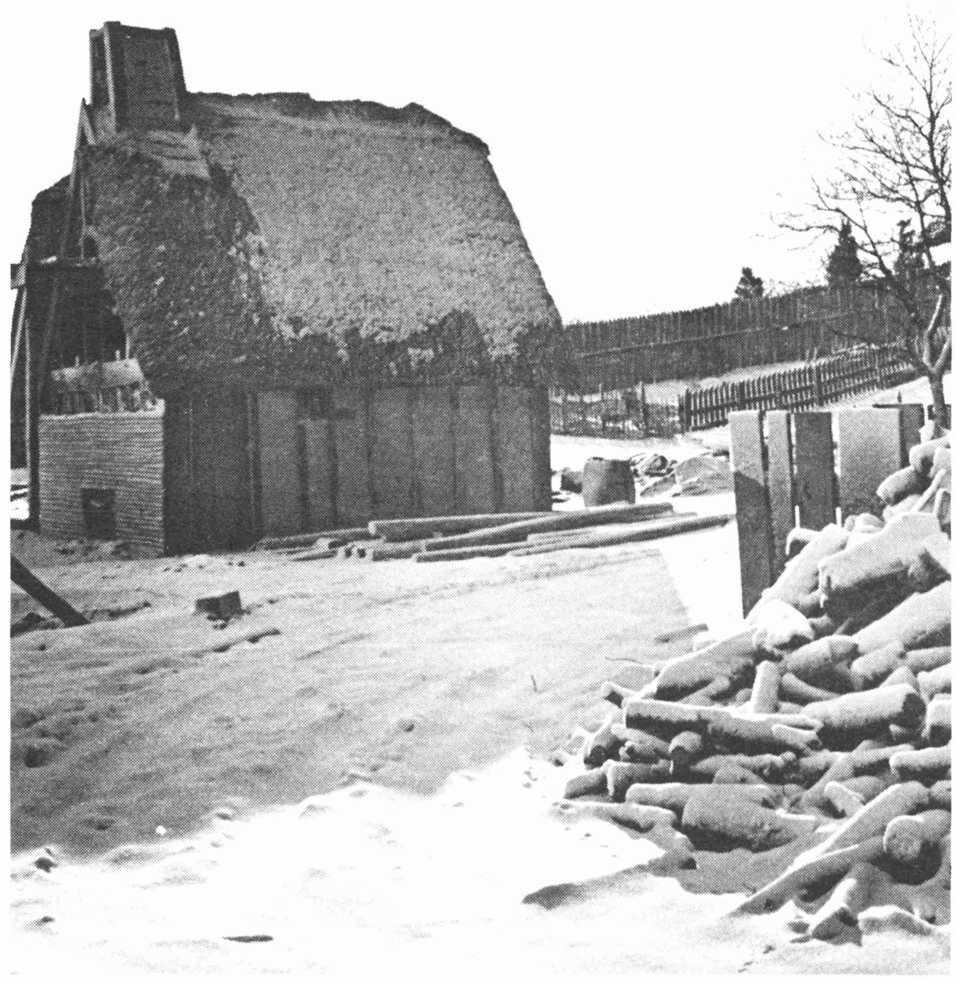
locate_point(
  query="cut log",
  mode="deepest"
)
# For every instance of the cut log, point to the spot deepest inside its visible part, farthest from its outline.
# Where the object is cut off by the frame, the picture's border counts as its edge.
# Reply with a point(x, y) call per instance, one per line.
point(908, 835)
point(927, 659)
point(735, 774)
point(602, 745)
point(617, 694)
point(771, 767)
point(777, 626)
point(638, 745)
point(937, 721)
point(849, 796)
point(593, 781)
point(815, 662)
point(940, 794)
point(927, 765)
point(620, 776)
point(934, 682)
point(872, 819)
point(408, 529)
point(764, 691)
point(916, 622)
point(807, 872)
point(387, 551)
point(732, 658)
point(798, 584)
point(847, 900)
point(709, 694)
point(876, 665)
point(684, 748)
point(732, 818)
point(758, 735)
point(313, 554)
point(653, 529)
point(471, 552)
point(879, 561)
point(921, 455)
point(941, 508)
point(902, 676)
point(941, 461)
point(584, 518)
point(800, 692)
point(900, 484)
point(935, 552)
point(869, 711)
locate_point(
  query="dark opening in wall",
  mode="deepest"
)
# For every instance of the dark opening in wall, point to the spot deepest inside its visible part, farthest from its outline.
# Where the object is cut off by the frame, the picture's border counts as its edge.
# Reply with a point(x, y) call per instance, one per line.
point(99, 512)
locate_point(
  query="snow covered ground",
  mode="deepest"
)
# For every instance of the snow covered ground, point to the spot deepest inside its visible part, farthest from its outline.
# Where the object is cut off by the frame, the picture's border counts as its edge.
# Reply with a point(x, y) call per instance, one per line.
point(370, 788)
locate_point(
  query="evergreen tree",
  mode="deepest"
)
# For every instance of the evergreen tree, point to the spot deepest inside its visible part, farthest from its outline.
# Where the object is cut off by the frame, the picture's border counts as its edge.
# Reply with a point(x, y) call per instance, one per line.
point(750, 287)
point(843, 265)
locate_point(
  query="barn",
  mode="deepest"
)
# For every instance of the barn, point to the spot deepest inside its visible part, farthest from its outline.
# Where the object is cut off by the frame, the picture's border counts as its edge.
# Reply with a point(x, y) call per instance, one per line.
point(258, 315)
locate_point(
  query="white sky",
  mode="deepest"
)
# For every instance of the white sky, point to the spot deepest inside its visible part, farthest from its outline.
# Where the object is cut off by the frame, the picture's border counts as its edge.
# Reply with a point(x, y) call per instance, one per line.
point(644, 146)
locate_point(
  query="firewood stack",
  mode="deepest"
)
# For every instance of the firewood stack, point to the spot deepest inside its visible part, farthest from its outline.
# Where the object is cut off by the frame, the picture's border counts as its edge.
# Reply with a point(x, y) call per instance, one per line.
point(823, 722)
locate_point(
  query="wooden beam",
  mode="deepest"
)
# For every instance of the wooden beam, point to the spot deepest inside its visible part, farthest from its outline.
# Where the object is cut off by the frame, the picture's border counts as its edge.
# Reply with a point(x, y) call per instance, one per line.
point(752, 505)
point(44, 595)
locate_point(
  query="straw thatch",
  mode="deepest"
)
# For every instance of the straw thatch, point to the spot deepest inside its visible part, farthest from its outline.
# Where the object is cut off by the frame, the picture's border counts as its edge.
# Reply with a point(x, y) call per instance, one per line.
point(279, 237)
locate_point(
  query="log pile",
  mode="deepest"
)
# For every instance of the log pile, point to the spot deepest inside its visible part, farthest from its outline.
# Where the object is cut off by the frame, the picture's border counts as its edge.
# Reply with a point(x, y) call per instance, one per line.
point(458, 537)
point(820, 728)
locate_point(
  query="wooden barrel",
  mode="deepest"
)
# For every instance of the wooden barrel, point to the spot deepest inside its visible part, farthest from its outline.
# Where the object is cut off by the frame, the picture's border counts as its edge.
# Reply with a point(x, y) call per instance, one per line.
point(605, 482)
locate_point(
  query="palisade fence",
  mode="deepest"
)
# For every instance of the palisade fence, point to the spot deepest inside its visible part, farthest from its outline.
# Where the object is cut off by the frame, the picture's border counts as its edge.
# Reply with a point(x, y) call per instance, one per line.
point(629, 413)
point(800, 326)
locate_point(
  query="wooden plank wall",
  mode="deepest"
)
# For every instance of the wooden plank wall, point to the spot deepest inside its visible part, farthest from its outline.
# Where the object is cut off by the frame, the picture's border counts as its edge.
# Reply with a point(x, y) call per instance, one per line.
point(785, 463)
point(400, 452)
point(209, 480)
point(122, 452)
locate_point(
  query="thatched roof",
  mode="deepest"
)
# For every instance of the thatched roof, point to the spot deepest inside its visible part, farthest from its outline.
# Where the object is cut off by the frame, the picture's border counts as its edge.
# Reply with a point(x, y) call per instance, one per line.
point(333, 239)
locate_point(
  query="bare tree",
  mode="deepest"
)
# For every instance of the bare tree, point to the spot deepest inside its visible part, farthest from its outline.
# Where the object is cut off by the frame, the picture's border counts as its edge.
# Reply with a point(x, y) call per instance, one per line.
point(891, 186)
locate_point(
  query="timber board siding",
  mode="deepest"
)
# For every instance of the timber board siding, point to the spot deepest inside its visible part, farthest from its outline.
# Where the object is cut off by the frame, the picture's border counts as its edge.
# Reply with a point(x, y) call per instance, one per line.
point(120, 452)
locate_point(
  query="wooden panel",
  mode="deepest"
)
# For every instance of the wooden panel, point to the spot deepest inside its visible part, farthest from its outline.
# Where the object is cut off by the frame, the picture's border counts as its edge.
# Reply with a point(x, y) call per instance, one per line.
point(474, 460)
point(393, 467)
point(320, 469)
point(353, 478)
point(516, 449)
point(221, 513)
point(433, 443)
point(281, 490)
point(780, 485)
point(753, 509)
point(871, 444)
point(541, 447)
point(815, 487)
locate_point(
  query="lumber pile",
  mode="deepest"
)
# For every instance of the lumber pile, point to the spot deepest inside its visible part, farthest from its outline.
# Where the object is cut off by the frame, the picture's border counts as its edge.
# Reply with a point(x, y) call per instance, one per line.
point(820, 727)
point(458, 537)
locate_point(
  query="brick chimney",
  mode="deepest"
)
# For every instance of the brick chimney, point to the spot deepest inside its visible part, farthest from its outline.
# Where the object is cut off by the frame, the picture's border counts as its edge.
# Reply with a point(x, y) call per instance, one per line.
point(136, 78)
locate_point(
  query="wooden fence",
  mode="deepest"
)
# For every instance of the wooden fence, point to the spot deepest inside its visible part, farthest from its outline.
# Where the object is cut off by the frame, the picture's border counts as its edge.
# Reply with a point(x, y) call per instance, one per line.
point(630, 414)
point(808, 469)
point(707, 341)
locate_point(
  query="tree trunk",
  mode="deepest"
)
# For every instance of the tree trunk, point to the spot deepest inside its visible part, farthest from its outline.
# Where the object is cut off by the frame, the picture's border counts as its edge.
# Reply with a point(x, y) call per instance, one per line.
point(941, 422)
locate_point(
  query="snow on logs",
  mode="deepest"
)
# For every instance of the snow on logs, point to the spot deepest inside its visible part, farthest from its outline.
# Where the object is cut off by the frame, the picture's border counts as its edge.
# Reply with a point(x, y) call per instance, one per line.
point(822, 723)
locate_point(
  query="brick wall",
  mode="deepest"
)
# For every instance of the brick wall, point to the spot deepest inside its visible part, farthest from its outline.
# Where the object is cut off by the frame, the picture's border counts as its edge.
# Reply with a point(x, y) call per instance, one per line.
point(122, 452)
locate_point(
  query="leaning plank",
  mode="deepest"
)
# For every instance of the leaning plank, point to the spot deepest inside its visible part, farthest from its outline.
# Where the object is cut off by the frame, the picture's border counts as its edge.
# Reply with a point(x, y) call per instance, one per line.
point(406, 529)
point(752, 504)
point(644, 532)
point(584, 518)
point(44, 595)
